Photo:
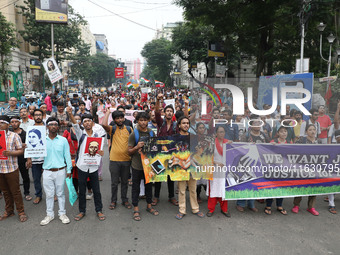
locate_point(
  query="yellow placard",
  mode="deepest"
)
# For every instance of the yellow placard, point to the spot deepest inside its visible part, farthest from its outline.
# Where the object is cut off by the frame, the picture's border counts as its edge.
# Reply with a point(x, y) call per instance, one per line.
point(46, 16)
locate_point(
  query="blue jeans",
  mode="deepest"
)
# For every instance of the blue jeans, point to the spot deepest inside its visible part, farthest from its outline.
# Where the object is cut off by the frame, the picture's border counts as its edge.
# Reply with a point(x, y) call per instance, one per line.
point(242, 203)
point(279, 202)
point(37, 173)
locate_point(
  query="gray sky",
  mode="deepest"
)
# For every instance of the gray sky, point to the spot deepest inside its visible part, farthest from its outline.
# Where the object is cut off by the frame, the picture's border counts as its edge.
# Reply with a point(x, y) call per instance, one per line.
point(125, 38)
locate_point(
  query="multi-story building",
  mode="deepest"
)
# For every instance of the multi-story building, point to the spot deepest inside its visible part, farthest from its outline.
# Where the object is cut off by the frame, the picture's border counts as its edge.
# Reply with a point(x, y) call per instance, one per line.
point(101, 43)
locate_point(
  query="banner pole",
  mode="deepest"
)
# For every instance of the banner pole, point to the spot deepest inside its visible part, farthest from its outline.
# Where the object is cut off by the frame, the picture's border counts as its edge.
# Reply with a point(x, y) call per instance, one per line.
point(52, 47)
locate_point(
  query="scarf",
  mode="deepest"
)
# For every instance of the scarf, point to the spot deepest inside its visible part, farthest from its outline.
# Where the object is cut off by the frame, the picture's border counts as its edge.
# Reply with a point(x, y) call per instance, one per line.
point(219, 146)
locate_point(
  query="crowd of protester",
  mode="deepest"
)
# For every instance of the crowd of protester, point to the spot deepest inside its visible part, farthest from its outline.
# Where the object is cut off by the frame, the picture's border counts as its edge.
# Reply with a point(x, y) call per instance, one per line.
point(69, 120)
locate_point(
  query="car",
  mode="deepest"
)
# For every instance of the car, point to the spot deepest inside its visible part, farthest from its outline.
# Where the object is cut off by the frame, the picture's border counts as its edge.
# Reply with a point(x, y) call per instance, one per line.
point(31, 96)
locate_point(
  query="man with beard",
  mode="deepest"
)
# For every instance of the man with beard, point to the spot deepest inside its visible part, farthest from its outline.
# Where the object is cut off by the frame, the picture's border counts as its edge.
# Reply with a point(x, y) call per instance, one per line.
point(57, 166)
point(120, 160)
point(82, 109)
point(85, 171)
point(36, 163)
point(15, 123)
point(136, 143)
point(61, 115)
point(153, 123)
point(299, 120)
point(183, 125)
point(166, 127)
point(45, 116)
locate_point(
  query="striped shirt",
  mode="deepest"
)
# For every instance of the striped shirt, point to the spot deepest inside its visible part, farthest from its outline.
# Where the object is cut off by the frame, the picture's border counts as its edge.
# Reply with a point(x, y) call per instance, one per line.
point(10, 113)
point(13, 142)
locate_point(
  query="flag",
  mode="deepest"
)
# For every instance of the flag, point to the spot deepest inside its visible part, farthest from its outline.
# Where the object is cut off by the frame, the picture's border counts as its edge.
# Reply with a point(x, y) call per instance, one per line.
point(129, 85)
point(145, 80)
point(328, 93)
point(135, 85)
point(158, 82)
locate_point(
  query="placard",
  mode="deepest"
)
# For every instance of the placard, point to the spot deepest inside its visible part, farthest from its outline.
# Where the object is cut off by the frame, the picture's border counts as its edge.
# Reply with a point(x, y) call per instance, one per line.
point(35, 142)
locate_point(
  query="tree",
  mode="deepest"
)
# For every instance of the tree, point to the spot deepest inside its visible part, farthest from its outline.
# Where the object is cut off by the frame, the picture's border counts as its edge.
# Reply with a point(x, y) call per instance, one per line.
point(66, 37)
point(8, 41)
point(159, 59)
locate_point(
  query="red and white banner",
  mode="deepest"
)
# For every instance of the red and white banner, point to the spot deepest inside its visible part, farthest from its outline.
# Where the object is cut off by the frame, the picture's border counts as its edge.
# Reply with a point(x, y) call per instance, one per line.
point(119, 72)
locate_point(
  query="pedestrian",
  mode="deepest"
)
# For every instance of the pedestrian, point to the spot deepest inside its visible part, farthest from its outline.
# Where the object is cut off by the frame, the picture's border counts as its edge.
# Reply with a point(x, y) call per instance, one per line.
point(15, 123)
point(48, 104)
point(311, 132)
point(183, 125)
point(120, 160)
point(86, 172)
point(136, 143)
point(9, 172)
point(25, 122)
point(56, 164)
point(12, 109)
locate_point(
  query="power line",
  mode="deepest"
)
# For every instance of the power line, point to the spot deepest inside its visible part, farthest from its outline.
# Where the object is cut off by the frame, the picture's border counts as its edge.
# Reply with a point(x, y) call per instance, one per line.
point(116, 14)
point(9, 4)
point(140, 10)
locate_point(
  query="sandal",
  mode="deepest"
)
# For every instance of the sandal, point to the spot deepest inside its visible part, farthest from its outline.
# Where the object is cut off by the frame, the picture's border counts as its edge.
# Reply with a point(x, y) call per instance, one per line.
point(136, 216)
point(37, 200)
point(79, 216)
point(28, 198)
point(130, 182)
point(101, 216)
point(112, 206)
point(226, 214)
point(155, 201)
point(268, 210)
point(127, 205)
point(209, 214)
point(332, 210)
point(179, 216)
point(282, 211)
point(153, 211)
point(200, 214)
point(22, 217)
point(6, 215)
point(173, 201)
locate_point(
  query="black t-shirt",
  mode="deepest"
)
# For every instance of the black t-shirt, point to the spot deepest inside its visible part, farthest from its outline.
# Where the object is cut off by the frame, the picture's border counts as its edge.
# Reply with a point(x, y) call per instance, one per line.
point(54, 100)
point(22, 135)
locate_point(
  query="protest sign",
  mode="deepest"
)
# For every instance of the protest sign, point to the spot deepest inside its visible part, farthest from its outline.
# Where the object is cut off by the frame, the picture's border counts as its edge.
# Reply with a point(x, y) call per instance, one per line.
point(35, 142)
point(3, 145)
point(170, 155)
point(170, 102)
point(289, 170)
point(89, 156)
point(52, 70)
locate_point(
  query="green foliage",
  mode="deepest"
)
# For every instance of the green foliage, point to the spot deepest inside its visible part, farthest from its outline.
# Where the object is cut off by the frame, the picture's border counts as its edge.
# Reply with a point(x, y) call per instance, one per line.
point(66, 37)
point(159, 60)
point(8, 41)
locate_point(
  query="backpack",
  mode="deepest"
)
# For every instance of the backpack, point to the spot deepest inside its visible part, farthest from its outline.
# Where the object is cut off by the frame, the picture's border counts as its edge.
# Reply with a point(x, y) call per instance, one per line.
point(136, 132)
point(113, 131)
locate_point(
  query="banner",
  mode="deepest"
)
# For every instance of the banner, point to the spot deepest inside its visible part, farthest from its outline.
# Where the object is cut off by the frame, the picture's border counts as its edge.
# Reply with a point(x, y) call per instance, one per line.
point(170, 102)
point(3, 145)
point(51, 11)
point(52, 70)
point(171, 155)
point(282, 170)
point(89, 156)
point(119, 72)
point(35, 142)
point(131, 114)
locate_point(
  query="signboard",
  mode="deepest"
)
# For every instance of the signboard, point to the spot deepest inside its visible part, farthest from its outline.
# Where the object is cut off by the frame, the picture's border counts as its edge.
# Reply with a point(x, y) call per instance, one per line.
point(305, 65)
point(36, 142)
point(330, 78)
point(119, 72)
point(220, 70)
point(52, 70)
point(10, 83)
point(51, 11)
point(34, 64)
point(215, 49)
point(3, 145)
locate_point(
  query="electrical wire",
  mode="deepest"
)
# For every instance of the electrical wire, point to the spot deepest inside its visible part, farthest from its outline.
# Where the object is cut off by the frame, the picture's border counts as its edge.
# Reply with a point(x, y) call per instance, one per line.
point(140, 10)
point(116, 14)
point(8, 4)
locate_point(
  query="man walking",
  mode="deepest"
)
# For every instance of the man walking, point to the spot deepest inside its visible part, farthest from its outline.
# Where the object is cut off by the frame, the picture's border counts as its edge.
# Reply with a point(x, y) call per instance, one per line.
point(56, 163)
point(12, 109)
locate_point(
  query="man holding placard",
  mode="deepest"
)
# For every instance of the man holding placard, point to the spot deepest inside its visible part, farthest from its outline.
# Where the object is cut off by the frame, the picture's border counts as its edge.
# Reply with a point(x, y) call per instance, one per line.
point(9, 171)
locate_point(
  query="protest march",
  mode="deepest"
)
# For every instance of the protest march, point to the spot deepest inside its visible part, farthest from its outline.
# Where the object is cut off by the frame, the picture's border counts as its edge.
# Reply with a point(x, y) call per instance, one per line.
point(170, 135)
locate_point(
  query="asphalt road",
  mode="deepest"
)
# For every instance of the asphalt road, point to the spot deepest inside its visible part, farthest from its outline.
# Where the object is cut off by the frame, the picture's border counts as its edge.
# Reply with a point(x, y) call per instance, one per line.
point(243, 233)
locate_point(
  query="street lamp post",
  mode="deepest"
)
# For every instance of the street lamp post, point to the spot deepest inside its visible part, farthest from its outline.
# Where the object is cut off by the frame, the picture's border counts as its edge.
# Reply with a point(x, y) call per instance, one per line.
point(331, 38)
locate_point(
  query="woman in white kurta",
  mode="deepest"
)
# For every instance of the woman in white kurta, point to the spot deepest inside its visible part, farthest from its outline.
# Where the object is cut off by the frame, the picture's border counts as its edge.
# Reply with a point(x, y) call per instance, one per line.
point(216, 187)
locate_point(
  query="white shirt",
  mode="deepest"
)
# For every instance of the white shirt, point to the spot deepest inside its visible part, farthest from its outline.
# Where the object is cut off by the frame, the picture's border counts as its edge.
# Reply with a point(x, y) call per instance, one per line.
point(25, 125)
point(79, 133)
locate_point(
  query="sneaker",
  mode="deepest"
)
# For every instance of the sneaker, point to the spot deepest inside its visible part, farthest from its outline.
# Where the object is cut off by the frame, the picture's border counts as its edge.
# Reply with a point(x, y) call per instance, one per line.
point(64, 219)
point(89, 196)
point(295, 209)
point(313, 211)
point(47, 220)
